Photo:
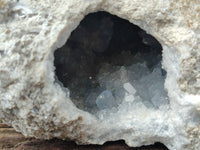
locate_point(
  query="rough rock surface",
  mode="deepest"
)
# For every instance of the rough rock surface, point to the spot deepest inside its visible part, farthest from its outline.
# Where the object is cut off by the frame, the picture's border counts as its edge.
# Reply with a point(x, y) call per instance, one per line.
point(36, 105)
point(11, 140)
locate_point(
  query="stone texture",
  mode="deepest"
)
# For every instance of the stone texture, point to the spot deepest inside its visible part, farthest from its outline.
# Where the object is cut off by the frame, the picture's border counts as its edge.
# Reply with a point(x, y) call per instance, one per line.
point(37, 106)
point(10, 139)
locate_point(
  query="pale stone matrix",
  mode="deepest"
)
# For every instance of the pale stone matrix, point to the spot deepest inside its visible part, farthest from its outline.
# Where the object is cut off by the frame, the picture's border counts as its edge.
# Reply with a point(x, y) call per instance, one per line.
point(36, 104)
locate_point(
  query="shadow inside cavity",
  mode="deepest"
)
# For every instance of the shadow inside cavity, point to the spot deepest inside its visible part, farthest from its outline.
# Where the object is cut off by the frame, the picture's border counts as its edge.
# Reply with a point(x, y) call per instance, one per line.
point(68, 145)
point(107, 60)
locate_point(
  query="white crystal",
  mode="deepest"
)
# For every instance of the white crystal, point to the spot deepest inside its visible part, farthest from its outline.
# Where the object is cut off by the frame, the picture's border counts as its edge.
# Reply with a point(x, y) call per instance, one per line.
point(129, 88)
point(105, 100)
point(129, 98)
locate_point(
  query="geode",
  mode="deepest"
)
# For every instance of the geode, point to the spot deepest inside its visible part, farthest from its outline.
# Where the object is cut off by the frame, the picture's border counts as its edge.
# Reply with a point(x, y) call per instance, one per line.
point(61, 76)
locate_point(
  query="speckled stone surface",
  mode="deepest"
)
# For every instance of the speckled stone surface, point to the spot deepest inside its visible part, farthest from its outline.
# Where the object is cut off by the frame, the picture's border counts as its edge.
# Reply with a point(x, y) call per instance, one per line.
point(10, 139)
point(33, 103)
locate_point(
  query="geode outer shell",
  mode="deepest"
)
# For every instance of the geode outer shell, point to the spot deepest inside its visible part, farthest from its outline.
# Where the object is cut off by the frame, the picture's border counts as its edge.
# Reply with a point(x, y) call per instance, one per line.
point(36, 105)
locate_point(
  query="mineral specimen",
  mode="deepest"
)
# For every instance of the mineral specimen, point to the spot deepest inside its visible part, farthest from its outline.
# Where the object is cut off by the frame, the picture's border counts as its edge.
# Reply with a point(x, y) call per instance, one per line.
point(102, 79)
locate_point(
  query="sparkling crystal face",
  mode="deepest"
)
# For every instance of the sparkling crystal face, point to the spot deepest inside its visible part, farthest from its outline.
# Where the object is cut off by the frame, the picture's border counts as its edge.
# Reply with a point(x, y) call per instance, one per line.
point(108, 63)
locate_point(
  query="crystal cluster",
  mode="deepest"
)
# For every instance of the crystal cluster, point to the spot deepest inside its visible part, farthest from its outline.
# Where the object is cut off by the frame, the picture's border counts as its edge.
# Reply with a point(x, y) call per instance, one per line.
point(98, 58)
point(132, 84)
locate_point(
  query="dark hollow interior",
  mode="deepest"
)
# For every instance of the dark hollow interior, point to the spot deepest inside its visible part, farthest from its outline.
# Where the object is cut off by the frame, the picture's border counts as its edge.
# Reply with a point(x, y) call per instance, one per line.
point(101, 38)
